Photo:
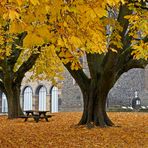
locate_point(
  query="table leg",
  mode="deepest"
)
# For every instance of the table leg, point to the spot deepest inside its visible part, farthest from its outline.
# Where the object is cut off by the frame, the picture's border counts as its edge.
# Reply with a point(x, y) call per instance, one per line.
point(36, 118)
point(26, 117)
point(46, 118)
point(44, 115)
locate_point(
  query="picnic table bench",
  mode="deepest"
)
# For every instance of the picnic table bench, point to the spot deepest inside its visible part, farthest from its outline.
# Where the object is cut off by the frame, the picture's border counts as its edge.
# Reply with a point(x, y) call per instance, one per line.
point(36, 115)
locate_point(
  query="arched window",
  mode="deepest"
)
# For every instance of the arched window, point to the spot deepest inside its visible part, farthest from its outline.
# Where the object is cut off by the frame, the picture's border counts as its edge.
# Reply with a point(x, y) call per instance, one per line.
point(42, 98)
point(4, 103)
point(54, 99)
point(28, 98)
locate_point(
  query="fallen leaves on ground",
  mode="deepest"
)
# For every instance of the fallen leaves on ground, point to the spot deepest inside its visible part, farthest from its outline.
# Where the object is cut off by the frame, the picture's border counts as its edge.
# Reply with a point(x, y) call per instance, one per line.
point(131, 131)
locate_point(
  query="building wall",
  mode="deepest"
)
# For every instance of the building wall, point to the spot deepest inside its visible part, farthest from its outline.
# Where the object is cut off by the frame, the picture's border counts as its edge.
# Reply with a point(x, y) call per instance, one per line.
point(70, 97)
point(123, 91)
point(121, 94)
point(35, 86)
point(144, 94)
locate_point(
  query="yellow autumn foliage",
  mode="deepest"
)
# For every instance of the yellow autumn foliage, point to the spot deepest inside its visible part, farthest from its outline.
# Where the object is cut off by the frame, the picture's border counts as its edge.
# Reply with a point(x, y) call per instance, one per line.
point(140, 50)
point(48, 66)
point(139, 31)
point(73, 26)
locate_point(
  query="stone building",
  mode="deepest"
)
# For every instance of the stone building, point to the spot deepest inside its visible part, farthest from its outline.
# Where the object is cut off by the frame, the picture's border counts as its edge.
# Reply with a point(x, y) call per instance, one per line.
point(123, 91)
point(42, 95)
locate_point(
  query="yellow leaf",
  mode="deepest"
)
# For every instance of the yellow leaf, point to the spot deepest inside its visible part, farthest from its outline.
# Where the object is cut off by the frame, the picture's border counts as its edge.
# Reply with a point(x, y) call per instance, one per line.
point(68, 54)
point(75, 41)
point(35, 2)
point(19, 2)
point(32, 40)
point(13, 15)
point(61, 54)
point(16, 27)
point(114, 50)
point(60, 42)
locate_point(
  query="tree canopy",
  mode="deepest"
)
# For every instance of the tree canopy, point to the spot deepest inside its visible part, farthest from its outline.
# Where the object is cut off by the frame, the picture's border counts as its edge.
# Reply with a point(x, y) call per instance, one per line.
point(93, 26)
point(20, 46)
point(73, 27)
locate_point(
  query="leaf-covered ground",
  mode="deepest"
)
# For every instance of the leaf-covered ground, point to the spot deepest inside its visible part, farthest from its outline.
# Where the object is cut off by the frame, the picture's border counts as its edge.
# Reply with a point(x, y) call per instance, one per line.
point(60, 132)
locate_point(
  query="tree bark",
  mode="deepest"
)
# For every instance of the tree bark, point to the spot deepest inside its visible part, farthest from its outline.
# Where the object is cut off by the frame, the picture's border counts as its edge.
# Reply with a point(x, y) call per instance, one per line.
point(94, 112)
point(13, 99)
point(11, 81)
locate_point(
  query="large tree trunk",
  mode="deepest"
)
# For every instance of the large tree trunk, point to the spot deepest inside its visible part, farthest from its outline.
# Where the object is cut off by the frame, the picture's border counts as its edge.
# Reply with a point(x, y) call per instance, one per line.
point(94, 113)
point(13, 99)
point(95, 89)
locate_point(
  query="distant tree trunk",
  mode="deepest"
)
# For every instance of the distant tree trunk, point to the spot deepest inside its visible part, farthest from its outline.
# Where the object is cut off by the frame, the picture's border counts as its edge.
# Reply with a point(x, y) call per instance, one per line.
point(13, 99)
point(11, 80)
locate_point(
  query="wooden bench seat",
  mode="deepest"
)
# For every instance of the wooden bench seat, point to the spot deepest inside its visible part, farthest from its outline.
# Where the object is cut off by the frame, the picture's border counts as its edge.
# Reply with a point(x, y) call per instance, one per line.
point(23, 116)
point(48, 116)
point(36, 117)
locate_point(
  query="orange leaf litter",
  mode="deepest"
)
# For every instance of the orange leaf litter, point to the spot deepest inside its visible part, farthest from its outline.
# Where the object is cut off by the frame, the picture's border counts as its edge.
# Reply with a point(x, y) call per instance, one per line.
point(131, 131)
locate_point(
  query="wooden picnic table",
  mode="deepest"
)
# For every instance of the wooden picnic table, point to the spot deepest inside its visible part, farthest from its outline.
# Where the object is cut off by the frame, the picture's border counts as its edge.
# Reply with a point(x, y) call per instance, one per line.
point(37, 115)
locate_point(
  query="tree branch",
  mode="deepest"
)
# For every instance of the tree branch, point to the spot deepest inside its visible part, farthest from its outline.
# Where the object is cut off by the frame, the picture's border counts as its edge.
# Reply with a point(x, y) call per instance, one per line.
point(1, 74)
point(123, 11)
point(2, 88)
point(135, 64)
point(79, 76)
point(95, 64)
point(26, 66)
point(132, 63)
point(16, 51)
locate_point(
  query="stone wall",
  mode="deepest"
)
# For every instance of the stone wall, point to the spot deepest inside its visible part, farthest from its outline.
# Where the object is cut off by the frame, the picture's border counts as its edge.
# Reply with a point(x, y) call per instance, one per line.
point(123, 91)
point(70, 95)
point(146, 78)
point(144, 94)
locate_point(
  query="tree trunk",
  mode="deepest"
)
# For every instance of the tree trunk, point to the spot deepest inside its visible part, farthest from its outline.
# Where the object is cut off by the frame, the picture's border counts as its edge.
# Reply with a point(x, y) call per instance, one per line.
point(13, 99)
point(94, 113)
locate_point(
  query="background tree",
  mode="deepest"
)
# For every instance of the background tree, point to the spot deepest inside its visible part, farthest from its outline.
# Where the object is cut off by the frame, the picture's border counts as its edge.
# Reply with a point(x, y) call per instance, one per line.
point(21, 40)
